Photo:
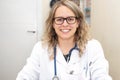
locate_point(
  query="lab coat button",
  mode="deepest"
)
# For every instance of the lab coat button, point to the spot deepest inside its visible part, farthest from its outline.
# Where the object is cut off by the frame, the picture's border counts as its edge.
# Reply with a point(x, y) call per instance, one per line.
point(71, 72)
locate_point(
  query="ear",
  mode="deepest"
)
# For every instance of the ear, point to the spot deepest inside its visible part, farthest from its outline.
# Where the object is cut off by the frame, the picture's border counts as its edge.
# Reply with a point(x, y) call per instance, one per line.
point(78, 22)
point(53, 25)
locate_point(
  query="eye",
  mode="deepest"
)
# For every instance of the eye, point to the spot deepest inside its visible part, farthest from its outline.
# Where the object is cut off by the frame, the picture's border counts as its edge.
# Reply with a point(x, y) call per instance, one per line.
point(70, 19)
point(59, 19)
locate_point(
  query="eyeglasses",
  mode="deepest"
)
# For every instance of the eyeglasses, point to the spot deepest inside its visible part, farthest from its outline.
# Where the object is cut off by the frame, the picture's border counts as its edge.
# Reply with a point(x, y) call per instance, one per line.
point(69, 20)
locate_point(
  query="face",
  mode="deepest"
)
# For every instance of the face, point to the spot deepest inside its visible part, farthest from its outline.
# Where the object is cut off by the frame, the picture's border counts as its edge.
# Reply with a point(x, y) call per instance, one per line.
point(65, 31)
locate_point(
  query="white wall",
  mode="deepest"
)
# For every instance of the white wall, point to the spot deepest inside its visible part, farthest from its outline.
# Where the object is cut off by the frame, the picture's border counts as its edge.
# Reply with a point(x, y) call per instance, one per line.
point(16, 43)
point(16, 18)
point(46, 9)
point(105, 23)
point(41, 19)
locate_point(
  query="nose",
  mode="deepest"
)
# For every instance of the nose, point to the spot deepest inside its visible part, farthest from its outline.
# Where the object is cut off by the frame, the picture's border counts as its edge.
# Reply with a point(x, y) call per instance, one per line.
point(65, 23)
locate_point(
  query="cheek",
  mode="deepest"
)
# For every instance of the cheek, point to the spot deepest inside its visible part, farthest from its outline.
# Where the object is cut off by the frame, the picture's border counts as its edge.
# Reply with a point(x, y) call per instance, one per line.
point(55, 28)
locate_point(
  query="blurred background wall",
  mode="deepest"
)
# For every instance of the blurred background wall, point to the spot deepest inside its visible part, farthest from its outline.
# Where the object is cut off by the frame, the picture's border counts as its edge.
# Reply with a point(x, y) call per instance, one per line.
point(105, 24)
point(15, 48)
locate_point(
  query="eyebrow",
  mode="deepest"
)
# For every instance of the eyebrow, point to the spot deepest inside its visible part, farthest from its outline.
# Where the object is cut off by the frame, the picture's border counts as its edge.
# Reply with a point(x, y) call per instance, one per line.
point(64, 17)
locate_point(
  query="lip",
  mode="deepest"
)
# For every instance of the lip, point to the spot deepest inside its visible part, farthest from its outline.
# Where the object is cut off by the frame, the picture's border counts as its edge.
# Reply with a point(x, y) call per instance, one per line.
point(65, 30)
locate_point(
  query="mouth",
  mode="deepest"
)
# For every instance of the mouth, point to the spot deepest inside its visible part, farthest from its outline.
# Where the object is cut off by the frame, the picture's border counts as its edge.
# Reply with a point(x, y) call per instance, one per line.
point(65, 30)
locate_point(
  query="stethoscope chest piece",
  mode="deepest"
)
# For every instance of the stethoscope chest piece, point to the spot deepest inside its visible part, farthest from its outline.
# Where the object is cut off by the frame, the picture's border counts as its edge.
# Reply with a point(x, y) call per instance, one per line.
point(55, 78)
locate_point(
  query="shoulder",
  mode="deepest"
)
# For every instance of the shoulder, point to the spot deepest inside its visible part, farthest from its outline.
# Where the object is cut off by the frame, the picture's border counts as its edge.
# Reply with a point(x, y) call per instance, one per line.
point(38, 50)
point(40, 44)
point(94, 48)
point(93, 43)
point(39, 47)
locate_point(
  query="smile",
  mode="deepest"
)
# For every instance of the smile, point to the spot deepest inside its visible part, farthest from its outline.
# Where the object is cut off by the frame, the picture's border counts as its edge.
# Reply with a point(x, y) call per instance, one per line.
point(65, 30)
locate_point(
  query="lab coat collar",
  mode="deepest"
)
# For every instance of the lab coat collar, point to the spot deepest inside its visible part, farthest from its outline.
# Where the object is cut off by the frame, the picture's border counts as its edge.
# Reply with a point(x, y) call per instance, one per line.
point(75, 64)
point(60, 58)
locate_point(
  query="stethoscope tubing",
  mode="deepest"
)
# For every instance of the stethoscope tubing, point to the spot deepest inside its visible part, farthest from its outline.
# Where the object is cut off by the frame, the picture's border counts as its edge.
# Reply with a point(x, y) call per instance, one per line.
point(70, 52)
point(55, 66)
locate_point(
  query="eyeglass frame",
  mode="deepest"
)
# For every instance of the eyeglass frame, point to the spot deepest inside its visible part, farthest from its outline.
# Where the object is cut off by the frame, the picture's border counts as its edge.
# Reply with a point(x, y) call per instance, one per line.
point(67, 19)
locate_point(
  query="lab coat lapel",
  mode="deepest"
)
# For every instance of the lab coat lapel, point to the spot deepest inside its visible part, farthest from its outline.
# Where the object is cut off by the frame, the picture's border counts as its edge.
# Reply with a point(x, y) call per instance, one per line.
point(75, 58)
point(59, 57)
point(76, 62)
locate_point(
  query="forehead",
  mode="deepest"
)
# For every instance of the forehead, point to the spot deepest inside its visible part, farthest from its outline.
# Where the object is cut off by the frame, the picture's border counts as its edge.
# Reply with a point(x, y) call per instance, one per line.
point(63, 11)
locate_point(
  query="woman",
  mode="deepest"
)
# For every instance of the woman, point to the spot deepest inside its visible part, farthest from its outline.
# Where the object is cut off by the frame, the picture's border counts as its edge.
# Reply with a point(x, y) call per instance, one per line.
point(66, 52)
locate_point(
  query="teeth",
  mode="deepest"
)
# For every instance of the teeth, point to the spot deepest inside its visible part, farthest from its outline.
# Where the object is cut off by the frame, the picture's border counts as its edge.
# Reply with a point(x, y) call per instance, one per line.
point(65, 30)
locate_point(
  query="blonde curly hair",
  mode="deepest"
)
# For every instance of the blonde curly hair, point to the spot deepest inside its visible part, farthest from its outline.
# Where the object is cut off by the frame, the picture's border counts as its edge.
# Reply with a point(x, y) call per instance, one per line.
point(81, 34)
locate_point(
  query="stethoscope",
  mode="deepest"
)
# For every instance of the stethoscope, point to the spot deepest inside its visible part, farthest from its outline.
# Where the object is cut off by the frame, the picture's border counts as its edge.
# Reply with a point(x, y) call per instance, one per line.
point(68, 59)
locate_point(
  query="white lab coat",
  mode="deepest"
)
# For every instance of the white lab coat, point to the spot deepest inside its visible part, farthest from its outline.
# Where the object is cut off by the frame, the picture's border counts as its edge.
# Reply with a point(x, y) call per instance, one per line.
point(92, 65)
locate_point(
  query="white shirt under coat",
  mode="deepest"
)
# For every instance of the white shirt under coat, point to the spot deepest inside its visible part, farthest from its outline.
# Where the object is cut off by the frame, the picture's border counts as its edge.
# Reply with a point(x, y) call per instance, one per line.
point(92, 65)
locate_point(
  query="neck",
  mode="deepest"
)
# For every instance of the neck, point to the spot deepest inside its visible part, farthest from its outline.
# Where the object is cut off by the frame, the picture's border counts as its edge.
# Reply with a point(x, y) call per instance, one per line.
point(66, 45)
